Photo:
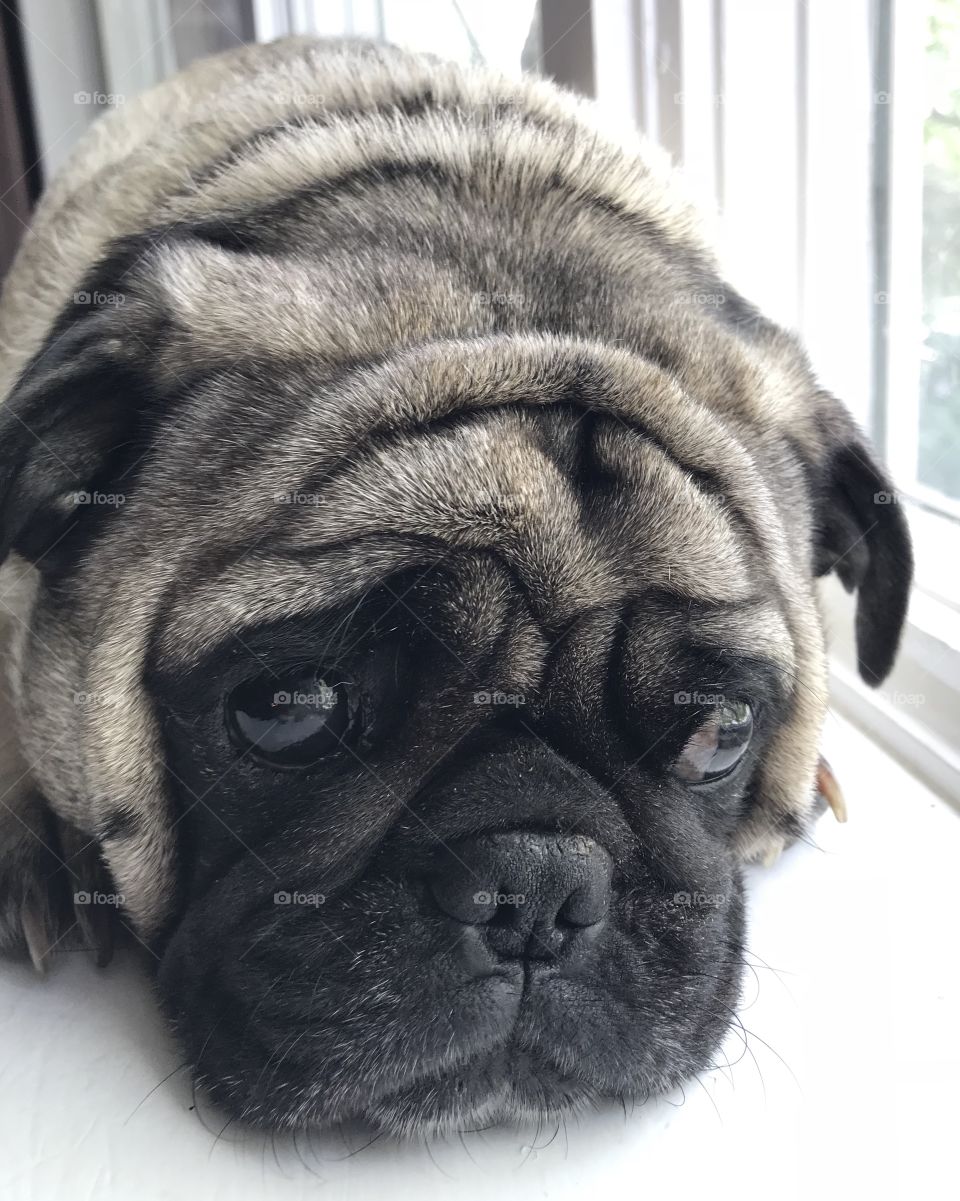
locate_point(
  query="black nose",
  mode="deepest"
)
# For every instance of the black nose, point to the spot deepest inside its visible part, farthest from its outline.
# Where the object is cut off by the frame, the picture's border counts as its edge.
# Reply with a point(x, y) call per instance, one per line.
point(532, 894)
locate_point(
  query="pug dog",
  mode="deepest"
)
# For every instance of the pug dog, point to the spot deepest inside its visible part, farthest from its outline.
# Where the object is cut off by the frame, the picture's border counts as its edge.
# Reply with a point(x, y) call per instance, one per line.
point(410, 619)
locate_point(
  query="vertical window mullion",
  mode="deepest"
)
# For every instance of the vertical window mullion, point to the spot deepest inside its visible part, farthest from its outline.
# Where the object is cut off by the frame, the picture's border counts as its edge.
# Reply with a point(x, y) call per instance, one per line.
point(702, 100)
point(897, 399)
point(760, 161)
point(837, 305)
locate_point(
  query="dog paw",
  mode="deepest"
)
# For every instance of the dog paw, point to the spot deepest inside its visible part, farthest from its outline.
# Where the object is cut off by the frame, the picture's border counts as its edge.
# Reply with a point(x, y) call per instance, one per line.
point(50, 874)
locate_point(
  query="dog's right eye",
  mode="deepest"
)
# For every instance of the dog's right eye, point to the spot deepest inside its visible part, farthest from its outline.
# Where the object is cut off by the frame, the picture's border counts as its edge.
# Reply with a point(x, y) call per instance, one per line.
point(717, 747)
point(293, 718)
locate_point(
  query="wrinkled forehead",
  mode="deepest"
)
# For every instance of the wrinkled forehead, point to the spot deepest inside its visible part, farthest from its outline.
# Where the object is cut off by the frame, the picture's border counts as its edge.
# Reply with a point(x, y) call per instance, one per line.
point(580, 510)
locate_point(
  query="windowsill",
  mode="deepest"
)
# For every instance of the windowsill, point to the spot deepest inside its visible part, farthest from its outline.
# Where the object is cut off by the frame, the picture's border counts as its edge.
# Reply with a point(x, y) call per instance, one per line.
point(936, 546)
point(938, 622)
point(906, 739)
point(847, 1088)
point(915, 713)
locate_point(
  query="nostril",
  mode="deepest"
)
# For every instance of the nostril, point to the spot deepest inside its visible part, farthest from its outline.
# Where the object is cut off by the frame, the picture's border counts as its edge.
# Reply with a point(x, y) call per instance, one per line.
point(503, 915)
point(467, 904)
point(548, 885)
point(587, 905)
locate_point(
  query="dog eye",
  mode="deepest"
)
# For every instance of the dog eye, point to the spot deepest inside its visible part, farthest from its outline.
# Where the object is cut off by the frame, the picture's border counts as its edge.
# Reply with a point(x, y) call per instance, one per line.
point(292, 718)
point(718, 746)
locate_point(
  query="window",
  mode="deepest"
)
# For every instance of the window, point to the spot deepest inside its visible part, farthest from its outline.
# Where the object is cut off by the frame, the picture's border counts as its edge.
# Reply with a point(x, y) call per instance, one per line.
point(921, 408)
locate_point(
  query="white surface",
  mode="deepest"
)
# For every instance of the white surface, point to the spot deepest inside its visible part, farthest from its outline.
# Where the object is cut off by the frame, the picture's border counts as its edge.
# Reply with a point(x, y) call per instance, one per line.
point(848, 1087)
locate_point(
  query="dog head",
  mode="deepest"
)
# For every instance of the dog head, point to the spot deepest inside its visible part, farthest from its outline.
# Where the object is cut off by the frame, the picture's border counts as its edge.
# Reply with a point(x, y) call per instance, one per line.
point(425, 709)
point(427, 664)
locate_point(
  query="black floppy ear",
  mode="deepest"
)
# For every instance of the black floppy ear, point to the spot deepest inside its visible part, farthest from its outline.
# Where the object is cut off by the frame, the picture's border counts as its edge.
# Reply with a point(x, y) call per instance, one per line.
point(862, 535)
point(76, 409)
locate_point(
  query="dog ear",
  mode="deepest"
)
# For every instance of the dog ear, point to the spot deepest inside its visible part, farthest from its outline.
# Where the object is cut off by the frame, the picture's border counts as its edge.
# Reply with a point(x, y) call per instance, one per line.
point(77, 408)
point(861, 533)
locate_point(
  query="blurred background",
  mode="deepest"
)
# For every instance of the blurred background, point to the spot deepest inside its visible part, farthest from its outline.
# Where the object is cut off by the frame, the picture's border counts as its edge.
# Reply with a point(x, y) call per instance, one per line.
point(823, 135)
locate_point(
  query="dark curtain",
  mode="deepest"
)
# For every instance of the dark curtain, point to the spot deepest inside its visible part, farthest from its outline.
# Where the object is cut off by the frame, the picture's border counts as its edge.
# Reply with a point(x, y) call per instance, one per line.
point(20, 178)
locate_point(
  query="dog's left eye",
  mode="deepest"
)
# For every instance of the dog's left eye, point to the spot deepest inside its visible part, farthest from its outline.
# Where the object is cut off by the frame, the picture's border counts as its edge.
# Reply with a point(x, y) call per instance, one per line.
point(293, 718)
point(718, 746)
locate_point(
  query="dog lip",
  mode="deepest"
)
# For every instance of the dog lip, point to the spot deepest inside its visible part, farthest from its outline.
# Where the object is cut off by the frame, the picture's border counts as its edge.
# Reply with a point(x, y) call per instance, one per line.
point(513, 1080)
point(509, 1063)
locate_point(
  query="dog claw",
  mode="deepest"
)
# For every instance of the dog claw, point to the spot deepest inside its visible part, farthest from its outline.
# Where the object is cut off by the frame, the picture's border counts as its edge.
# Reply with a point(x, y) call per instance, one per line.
point(35, 924)
point(829, 789)
point(95, 922)
point(46, 867)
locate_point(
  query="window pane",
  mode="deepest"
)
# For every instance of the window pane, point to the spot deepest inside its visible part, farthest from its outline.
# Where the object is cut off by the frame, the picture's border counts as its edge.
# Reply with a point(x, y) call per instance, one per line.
point(938, 454)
